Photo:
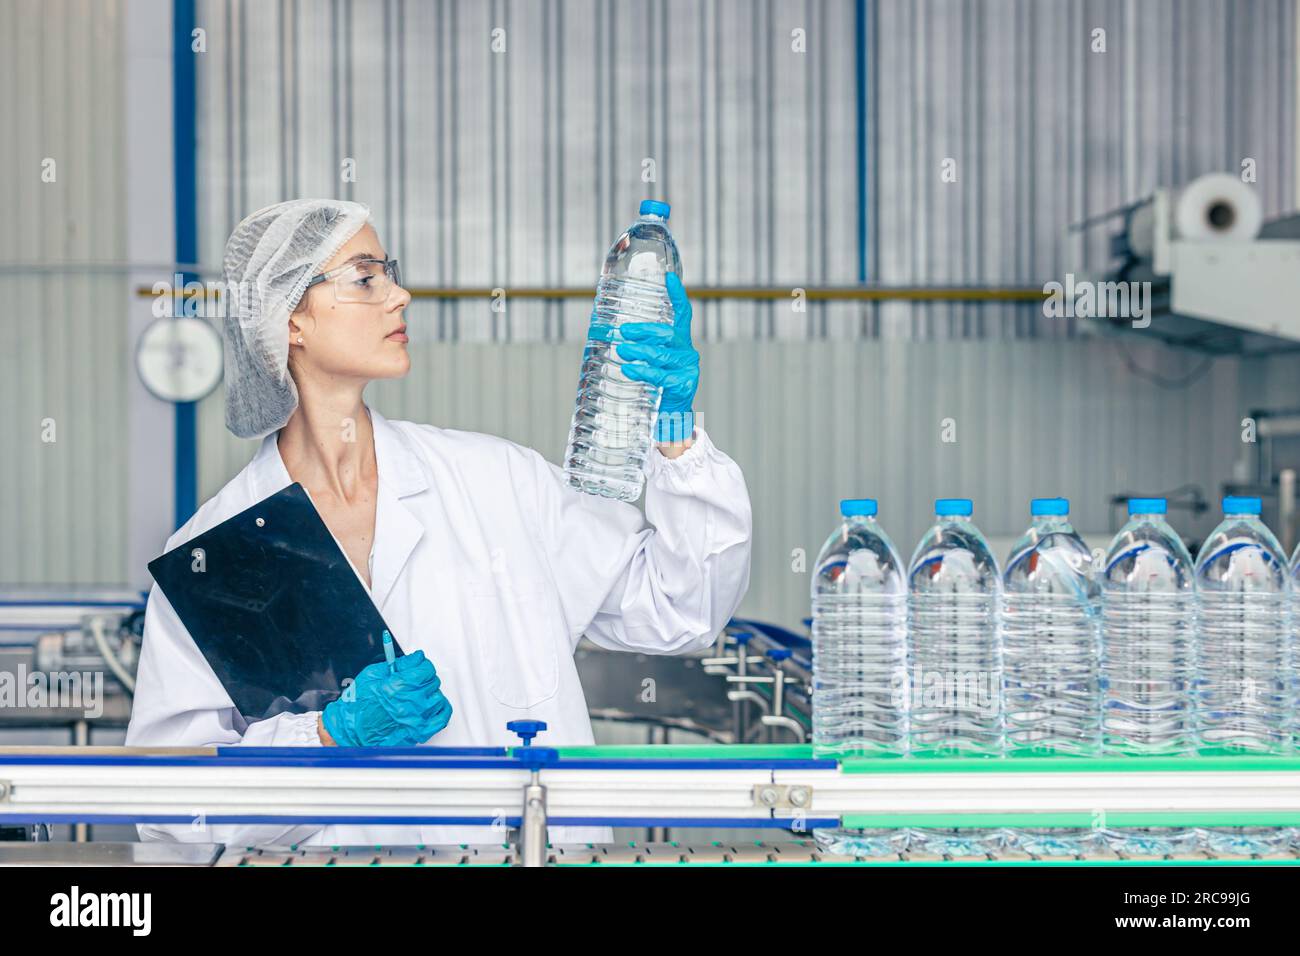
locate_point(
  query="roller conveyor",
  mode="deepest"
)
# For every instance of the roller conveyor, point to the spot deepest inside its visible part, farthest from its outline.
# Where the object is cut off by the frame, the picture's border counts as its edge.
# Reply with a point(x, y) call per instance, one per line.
point(799, 853)
point(795, 853)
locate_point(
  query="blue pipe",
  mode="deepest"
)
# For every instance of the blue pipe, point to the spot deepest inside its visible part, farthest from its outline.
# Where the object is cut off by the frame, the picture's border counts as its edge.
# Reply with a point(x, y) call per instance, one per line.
point(860, 84)
point(184, 138)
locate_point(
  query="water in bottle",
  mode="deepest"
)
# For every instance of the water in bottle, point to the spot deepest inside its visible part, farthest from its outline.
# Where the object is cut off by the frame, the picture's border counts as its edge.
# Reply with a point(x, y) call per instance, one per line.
point(1051, 638)
point(612, 431)
point(1051, 655)
point(1148, 625)
point(954, 655)
point(1242, 688)
point(1295, 650)
point(1148, 604)
point(859, 603)
point(1243, 663)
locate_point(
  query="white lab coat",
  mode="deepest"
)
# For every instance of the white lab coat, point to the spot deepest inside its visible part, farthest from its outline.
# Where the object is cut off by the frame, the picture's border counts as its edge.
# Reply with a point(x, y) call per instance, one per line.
point(485, 559)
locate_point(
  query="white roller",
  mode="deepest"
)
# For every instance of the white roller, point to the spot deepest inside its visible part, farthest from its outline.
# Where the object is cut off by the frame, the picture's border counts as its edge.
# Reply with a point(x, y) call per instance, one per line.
point(1217, 206)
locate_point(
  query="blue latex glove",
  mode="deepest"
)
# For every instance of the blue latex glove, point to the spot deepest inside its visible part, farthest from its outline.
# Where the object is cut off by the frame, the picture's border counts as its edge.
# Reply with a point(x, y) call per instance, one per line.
point(663, 355)
point(403, 707)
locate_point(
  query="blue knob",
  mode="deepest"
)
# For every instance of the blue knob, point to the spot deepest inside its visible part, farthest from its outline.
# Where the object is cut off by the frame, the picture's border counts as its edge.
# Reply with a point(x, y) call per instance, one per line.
point(526, 729)
point(743, 637)
point(779, 653)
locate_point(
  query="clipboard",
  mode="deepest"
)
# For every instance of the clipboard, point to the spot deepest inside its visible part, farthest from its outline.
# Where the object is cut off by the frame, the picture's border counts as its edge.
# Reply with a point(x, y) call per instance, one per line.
point(274, 606)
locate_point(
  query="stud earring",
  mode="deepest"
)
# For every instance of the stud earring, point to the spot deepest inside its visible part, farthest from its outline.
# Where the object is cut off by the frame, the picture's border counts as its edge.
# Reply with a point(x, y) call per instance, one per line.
point(300, 340)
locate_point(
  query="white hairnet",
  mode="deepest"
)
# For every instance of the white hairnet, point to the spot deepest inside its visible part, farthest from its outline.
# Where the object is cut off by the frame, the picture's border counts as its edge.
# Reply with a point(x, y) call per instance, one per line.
point(269, 260)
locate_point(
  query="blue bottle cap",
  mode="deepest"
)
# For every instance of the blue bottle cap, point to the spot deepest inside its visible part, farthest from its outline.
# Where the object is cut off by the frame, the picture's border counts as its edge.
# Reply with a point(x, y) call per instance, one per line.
point(1147, 506)
point(858, 506)
point(1049, 506)
point(944, 507)
point(653, 207)
point(1238, 505)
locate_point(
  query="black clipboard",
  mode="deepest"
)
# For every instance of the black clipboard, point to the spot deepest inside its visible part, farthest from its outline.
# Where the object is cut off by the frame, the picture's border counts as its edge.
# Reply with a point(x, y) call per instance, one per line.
point(275, 607)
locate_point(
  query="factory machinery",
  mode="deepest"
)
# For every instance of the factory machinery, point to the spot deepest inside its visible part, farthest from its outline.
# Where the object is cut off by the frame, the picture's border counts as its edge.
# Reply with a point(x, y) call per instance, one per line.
point(1224, 279)
point(778, 788)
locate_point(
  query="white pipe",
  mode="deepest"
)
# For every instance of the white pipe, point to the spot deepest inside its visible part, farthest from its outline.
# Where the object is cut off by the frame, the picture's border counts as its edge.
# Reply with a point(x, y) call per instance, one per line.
point(110, 658)
point(319, 793)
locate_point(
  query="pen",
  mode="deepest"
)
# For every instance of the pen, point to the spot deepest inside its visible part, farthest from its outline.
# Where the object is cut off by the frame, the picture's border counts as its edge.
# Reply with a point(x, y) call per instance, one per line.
point(388, 652)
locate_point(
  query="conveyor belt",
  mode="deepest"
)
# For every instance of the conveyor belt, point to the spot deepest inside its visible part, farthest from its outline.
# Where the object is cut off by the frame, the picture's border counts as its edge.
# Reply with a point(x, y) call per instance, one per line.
point(796, 853)
point(738, 787)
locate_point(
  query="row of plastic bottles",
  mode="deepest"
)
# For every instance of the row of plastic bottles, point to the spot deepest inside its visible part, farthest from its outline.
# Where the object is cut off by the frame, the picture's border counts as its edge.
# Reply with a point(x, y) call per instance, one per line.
point(1139, 651)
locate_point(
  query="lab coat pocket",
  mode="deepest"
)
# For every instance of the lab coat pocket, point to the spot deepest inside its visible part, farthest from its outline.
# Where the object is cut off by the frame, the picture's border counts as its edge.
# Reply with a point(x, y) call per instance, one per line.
point(513, 640)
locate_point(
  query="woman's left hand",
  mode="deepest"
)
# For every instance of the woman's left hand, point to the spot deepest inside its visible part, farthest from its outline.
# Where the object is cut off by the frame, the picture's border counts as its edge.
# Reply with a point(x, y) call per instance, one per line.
point(661, 355)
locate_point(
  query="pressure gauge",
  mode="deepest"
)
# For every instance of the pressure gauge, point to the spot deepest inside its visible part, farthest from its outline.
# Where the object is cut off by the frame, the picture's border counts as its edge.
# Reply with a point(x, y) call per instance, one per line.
point(179, 359)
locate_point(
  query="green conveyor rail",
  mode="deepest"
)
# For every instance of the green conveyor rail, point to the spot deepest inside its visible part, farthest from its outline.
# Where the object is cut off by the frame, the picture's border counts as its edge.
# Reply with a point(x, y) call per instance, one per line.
point(1202, 762)
point(1208, 761)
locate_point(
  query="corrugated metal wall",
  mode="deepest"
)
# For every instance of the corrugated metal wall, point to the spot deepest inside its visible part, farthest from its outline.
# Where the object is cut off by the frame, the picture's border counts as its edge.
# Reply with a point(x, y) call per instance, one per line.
point(1045, 132)
point(64, 354)
point(518, 168)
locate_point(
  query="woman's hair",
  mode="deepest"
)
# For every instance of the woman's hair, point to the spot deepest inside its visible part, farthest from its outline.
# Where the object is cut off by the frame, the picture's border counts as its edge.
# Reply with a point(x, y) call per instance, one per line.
point(269, 259)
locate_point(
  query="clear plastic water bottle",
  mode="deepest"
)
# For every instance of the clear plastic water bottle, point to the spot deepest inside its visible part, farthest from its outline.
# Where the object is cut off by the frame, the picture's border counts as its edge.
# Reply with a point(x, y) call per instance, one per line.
point(1242, 688)
point(1244, 655)
point(1051, 638)
point(1051, 655)
point(955, 651)
point(859, 605)
point(1294, 613)
point(611, 434)
point(1295, 650)
point(954, 655)
point(1148, 625)
point(1148, 601)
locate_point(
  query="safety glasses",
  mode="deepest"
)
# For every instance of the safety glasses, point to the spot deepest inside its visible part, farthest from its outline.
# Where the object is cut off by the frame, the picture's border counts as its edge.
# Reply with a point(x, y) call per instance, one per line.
point(364, 280)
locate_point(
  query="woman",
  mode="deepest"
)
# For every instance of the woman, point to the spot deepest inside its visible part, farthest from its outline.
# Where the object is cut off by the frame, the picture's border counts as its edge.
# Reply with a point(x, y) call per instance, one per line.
point(485, 564)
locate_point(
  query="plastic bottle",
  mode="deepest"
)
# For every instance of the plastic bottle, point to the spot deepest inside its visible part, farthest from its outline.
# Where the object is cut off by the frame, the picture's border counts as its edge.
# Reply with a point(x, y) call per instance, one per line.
point(1242, 689)
point(859, 604)
point(1148, 625)
point(1244, 655)
point(1051, 656)
point(954, 656)
point(611, 433)
point(1051, 638)
point(1295, 650)
point(1148, 628)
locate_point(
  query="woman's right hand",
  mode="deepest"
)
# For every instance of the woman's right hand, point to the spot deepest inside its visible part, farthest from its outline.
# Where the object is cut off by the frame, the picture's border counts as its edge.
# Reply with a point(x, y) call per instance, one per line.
point(401, 708)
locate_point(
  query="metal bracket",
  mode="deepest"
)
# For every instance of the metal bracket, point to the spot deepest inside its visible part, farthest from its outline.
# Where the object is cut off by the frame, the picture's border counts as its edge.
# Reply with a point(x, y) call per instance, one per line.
point(532, 829)
point(776, 796)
